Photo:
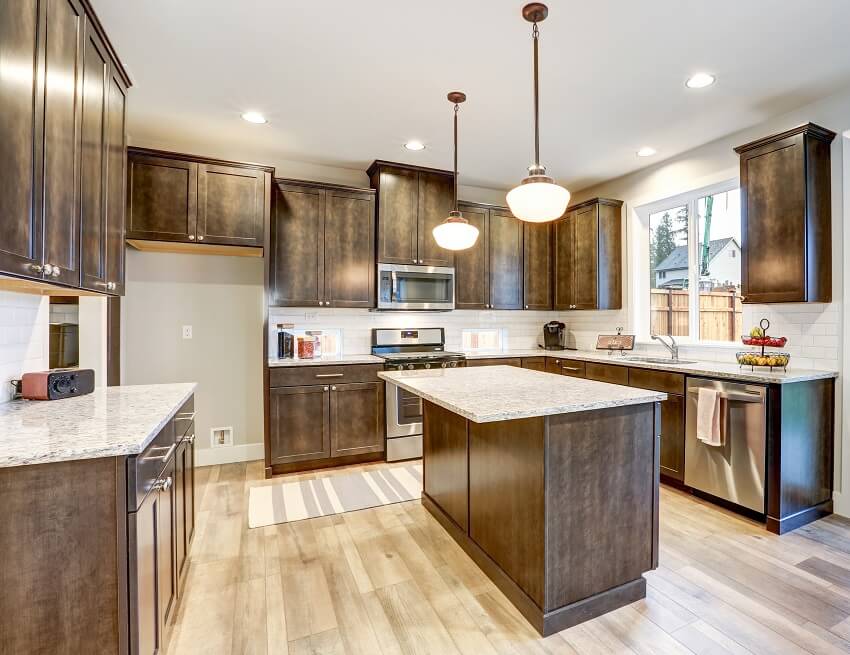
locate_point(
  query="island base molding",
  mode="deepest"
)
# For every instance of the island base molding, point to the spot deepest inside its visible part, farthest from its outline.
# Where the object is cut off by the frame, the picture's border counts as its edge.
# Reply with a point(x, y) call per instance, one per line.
point(546, 623)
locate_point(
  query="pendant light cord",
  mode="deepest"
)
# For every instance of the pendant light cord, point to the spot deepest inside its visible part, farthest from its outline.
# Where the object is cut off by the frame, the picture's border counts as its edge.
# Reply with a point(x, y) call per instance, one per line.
point(534, 35)
point(455, 178)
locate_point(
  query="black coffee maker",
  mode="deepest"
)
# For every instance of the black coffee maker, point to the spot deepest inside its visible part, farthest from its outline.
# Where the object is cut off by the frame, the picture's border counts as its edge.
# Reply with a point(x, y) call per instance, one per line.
point(554, 336)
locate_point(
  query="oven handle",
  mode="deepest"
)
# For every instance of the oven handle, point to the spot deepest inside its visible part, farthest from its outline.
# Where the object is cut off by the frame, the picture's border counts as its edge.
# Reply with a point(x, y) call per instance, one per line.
point(394, 289)
point(742, 397)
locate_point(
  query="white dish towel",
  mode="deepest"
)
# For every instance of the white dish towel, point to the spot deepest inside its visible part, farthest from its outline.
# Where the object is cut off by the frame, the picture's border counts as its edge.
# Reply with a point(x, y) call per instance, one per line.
point(708, 417)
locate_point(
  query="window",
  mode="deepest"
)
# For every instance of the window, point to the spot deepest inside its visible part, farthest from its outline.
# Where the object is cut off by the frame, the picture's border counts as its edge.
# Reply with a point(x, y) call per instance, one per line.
point(694, 266)
point(482, 339)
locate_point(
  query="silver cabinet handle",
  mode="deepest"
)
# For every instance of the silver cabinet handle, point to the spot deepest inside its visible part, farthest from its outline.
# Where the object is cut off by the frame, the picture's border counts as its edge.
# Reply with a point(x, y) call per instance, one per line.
point(333, 388)
point(191, 237)
point(324, 388)
point(200, 237)
point(570, 368)
point(168, 453)
point(330, 375)
point(526, 306)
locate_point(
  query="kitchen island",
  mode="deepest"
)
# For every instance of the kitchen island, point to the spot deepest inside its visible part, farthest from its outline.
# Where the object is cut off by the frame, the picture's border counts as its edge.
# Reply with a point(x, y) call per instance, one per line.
point(549, 483)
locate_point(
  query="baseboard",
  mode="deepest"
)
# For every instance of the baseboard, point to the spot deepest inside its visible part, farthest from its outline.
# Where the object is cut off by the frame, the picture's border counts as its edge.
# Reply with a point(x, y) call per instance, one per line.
point(841, 504)
point(229, 454)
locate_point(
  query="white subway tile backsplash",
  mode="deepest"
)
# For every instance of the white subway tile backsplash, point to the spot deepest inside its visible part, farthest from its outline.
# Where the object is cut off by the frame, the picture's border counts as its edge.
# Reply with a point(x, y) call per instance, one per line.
point(24, 337)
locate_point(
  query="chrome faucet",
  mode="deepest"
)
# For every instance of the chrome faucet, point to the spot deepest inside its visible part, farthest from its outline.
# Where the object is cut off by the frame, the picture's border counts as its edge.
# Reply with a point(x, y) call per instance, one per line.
point(673, 347)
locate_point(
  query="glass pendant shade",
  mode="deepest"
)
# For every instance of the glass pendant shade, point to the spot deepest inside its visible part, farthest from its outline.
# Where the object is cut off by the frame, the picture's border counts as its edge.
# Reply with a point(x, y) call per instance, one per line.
point(538, 199)
point(455, 233)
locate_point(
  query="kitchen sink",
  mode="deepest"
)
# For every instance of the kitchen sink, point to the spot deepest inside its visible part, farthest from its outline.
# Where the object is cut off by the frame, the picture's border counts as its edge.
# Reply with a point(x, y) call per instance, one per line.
point(658, 360)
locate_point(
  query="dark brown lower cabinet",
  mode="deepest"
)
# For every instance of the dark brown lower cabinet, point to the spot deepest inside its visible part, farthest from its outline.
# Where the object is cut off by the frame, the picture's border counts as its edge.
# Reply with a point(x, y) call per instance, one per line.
point(673, 437)
point(495, 361)
point(534, 363)
point(184, 498)
point(145, 628)
point(326, 423)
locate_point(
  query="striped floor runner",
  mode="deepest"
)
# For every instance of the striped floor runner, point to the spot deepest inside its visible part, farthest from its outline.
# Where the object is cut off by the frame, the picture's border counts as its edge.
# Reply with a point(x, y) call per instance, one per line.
point(333, 494)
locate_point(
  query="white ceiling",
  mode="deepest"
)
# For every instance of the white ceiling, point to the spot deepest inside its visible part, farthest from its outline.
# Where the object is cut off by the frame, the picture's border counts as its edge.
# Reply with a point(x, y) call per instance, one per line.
point(343, 82)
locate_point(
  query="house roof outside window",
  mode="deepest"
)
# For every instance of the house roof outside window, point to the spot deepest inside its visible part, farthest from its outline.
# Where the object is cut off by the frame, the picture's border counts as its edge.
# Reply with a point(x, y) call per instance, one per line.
point(678, 259)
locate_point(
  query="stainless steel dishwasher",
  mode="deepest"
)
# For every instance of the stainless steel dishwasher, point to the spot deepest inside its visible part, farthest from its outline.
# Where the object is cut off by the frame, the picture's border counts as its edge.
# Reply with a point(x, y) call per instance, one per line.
point(734, 471)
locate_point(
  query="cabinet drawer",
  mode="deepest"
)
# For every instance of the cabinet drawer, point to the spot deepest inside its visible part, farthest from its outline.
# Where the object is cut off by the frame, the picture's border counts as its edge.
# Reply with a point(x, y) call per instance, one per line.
point(572, 367)
point(534, 363)
point(495, 361)
point(657, 380)
point(607, 373)
point(317, 374)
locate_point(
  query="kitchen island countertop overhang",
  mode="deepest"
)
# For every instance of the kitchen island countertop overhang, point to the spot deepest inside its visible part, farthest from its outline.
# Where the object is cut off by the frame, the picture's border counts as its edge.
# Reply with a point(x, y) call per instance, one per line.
point(501, 393)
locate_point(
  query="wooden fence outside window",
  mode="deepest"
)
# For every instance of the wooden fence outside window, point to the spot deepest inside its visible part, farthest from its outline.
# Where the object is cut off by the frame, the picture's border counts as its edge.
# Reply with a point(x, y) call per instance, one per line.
point(720, 315)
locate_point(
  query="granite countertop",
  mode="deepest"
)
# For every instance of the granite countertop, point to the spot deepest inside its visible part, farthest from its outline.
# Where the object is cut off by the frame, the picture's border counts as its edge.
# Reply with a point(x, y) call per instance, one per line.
point(110, 422)
point(324, 361)
point(499, 393)
point(724, 370)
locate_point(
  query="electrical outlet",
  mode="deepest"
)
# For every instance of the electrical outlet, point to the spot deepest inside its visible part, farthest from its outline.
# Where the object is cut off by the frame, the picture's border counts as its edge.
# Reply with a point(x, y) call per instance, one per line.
point(221, 437)
point(187, 331)
point(311, 316)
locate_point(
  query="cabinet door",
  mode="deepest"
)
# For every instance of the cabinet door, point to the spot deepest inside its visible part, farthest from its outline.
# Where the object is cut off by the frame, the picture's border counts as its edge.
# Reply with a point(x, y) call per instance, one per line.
point(231, 205)
point(673, 437)
point(773, 209)
point(299, 423)
point(166, 557)
point(534, 363)
point(564, 262)
point(297, 269)
point(62, 112)
point(20, 139)
point(349, 245)
point(93, 164)
point(537, 265)
point(357, 418)
point(472, 274)
point(180, 545)
point(505, 261)
point(585, 258)
point(116, 181)
point(435, 202)
point(162, 198)
point(398, 207)
point(145, 628)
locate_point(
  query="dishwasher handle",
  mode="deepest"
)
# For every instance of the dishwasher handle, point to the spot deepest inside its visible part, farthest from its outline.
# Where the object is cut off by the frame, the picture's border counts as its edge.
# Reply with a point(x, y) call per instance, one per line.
point(738, 397)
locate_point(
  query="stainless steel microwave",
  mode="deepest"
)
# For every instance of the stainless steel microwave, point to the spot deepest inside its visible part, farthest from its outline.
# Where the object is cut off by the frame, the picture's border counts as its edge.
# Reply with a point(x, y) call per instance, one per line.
point(417, 288)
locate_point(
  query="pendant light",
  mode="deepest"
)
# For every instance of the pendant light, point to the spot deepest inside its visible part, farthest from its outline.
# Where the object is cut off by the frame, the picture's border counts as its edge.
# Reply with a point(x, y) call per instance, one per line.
point(537, 199)
point(455, 233)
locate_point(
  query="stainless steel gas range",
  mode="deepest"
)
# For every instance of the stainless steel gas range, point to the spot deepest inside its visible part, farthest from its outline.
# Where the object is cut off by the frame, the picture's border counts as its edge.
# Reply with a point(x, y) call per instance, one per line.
point(409, 349)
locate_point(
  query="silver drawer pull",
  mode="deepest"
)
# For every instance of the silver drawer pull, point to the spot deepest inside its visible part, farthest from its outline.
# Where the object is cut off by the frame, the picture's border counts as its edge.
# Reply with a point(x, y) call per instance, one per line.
point(330, 375)
point(570, 368)
point(165, 457)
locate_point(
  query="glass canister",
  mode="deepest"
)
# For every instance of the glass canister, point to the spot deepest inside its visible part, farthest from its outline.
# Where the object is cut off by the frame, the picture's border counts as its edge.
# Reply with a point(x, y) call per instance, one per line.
point(306, 346)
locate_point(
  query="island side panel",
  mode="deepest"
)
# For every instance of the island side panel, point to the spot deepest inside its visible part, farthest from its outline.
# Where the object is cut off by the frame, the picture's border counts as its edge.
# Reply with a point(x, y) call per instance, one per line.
point(506, 498)
point(63, 540)
point(601, 505)
point(445, 462)
point(800, 451)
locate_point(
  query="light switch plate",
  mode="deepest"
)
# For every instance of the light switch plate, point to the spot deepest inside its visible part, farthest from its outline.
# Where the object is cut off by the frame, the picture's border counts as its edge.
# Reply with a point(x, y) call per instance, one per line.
point(187, 331)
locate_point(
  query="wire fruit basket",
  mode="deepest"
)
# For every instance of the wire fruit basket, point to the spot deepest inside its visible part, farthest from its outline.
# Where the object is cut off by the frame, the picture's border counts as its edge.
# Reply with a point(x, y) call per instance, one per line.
point(767, 359)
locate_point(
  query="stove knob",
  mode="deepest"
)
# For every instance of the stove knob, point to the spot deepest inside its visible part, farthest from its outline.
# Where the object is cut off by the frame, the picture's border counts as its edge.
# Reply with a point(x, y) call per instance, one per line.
point(400, 367)
point(427, 365)
point(443, 365)
point(410, 366)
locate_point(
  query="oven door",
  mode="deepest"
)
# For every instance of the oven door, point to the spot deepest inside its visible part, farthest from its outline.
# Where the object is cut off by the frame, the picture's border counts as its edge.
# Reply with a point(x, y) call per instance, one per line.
point(416, 287)
point(404, 412)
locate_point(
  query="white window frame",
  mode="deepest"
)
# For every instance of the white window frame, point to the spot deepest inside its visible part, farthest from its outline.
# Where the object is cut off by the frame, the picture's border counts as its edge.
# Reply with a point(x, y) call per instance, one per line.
point(640, 254)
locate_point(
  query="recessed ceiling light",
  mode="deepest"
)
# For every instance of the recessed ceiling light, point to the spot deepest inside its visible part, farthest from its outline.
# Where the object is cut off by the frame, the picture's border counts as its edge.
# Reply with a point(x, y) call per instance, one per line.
point(700, 80)
point(646, 151)
point(414, 145)
point(254, 117)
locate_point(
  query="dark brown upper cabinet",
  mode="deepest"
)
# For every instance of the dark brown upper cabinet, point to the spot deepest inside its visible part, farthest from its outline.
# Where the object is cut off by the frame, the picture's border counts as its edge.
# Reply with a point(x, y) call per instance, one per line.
point(56, 147)
point(412, 201)
point(537, 266)
point(490, 274)
point(786, 224)
point(182, 198)
point(322, 246)
point(588, 270)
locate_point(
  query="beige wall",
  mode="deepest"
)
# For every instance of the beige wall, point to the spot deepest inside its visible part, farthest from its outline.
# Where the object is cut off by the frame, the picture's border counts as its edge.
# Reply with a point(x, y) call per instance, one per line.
point(221, 298)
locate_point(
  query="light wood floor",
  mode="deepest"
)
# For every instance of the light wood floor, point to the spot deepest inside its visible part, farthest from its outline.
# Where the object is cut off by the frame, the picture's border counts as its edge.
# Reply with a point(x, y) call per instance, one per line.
point(390, 581)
